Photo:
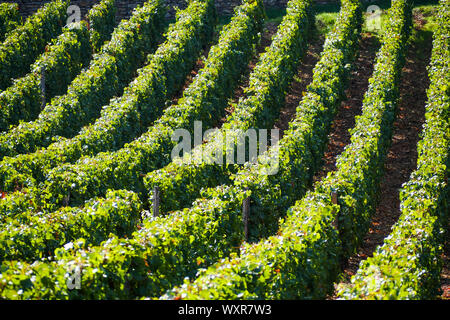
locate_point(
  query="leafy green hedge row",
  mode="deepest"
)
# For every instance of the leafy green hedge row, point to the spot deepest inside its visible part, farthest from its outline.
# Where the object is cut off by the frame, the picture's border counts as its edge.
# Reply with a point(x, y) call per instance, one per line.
point(172, 238)
point(209, 90)
point(62, 62)
point(128, 116)
point(153, 260)
point(33, 236)
point(102, 21)
point(408, 264)
point(299, 153)
point(15, 203)
point(115, 279)
point(204, 100)
point(23, 45)
point(156, 258)
point(194, 27)
point(302, 261)
point(10, 18)
point(107, 75)
point(264, 96)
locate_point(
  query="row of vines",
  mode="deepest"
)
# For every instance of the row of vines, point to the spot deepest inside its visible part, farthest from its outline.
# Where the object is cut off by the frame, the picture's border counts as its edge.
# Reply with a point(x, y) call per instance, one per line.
point(87, 118)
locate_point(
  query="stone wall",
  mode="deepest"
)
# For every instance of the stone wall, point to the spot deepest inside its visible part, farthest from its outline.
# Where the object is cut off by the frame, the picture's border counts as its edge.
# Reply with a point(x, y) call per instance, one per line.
point(124, 8)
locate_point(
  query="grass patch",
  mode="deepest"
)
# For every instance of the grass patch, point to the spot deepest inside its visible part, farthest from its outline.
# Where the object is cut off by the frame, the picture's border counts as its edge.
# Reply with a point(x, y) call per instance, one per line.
point(422, 33)
point(325, 21)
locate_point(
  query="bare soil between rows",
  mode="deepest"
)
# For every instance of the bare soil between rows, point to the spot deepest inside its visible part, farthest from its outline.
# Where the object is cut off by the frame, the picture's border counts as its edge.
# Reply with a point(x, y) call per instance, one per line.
point(344, 120)
point(401, 158)
point(300, 83)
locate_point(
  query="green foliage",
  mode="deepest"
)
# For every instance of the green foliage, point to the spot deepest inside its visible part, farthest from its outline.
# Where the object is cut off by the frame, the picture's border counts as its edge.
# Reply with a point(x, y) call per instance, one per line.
point(264, 96)
point(408, 265)
point(204, 100)
point(62, 62)
point(33, 235)
point(133, 39)
point(15, 204)
point(107, 75)
point(298, 264)
point(102, 20)
point(154, 259)
point(299, 152)
point(10, 18)
point(25, 43)
point(135, 267)
point(361, 165)
point(128, 116)
point(302, 261)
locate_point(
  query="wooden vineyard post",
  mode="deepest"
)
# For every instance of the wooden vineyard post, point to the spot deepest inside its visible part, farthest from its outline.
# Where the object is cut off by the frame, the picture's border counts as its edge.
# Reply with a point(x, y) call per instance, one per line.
point(246, 216)
point(42, 88)
point(156, 201)
point(334, 200)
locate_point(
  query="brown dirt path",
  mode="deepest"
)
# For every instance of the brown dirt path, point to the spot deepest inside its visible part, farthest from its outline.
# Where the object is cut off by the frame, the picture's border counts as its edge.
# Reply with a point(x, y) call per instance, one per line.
point(402, 155)
point(266, 40)
point(344, 120)
point(300, 82)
